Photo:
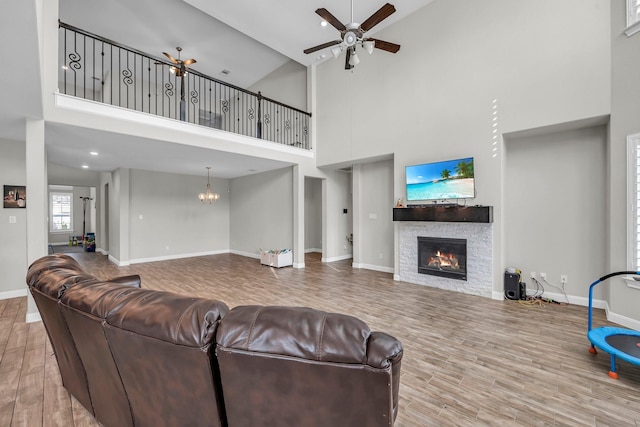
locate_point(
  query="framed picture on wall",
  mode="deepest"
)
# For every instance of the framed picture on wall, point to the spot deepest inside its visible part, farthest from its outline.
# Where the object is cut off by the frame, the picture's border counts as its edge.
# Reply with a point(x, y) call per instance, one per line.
point(15, 196)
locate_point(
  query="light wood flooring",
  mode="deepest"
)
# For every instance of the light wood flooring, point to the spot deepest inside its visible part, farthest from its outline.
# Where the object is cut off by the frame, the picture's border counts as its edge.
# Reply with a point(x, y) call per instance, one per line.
point(468, 360)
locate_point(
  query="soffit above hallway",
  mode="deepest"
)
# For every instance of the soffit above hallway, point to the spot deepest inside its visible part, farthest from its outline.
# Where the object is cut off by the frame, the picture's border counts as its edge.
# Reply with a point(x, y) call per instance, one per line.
point(71, 146)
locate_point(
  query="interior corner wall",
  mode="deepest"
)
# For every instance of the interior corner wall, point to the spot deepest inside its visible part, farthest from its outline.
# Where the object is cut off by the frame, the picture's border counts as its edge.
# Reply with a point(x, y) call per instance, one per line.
point(336, 196)
point(114, 215)
point(103, 205)
point(312, 214)
point(261, 212)
point(13, 245)
point(625, 110)
point(373, 203)
point(555, 208)
point(287, 84)
point(167, 219)
point(81, 181)
point(77, 216)
point(540, 63)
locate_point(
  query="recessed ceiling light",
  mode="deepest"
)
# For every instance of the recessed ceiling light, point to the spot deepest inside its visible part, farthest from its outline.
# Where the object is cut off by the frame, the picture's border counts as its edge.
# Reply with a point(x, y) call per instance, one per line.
point(323, 23)
point(251, 170)
point(225, 72)
point(94, 153)
point(85, 167)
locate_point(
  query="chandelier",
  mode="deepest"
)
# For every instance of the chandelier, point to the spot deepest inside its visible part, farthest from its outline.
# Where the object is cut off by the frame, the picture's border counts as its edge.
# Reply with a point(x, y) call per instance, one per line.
point(208, 196)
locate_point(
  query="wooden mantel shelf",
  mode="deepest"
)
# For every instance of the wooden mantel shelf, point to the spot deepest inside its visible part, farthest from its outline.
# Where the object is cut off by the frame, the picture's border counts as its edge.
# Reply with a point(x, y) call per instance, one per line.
point(445, 213)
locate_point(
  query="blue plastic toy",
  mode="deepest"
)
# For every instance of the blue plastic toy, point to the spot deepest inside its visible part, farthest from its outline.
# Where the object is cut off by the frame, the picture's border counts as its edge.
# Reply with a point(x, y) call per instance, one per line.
point(618, 342)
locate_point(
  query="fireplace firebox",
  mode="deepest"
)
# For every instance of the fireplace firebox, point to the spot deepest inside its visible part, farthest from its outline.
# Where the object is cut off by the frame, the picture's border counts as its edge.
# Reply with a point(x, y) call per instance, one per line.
point(442, 257)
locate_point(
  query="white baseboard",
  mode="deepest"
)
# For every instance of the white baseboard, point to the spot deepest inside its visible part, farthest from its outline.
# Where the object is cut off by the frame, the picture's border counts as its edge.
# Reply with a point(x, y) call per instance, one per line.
point(497, 295)
point(102, 251)
point(176, 256)
point(14, 294)
point(298, 265)
point(245, 254)
point(306, 251)
point(337, 258)
point(622, 320)
point(33, 317)
point(373, 267)
point(117, 262)
point(396, 278)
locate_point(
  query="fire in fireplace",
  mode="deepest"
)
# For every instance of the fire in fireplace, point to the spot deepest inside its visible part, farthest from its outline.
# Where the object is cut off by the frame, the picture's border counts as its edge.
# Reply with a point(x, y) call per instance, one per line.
point(443, 257)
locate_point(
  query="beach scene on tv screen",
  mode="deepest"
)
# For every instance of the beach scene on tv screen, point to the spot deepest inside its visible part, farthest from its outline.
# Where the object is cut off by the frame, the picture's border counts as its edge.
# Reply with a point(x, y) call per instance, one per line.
point(452, 179)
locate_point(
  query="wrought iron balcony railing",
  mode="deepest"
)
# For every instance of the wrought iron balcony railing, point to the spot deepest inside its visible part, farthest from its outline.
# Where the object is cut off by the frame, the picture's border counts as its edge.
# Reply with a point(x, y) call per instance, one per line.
point(95, 68)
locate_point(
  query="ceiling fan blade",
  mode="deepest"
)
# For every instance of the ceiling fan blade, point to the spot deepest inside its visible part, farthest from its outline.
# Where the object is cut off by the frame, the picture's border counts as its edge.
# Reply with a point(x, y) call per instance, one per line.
point(175, 61)
point(189, 62)
point(388, 46)
point(327, 16)
point(322, 46)
point(382, 14)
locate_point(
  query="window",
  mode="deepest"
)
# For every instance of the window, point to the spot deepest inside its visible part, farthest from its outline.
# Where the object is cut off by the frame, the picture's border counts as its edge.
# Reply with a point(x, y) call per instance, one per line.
point(634, 202)
point(633, 17)
point(61, 211)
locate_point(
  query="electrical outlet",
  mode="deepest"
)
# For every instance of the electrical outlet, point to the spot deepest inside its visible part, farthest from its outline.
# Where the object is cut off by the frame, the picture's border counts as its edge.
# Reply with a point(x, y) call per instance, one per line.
point(543, 276)
point(564, 279)
point(533, 274)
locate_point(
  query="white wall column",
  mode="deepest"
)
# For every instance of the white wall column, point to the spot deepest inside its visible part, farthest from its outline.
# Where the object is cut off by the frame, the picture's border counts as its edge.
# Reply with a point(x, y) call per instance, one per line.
point(125, 199)
point(298, 217)
point(357, 213)
point(37, 212)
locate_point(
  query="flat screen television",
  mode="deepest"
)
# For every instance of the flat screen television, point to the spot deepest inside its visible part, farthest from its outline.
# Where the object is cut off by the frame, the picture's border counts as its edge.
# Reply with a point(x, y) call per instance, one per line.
point(450, 179)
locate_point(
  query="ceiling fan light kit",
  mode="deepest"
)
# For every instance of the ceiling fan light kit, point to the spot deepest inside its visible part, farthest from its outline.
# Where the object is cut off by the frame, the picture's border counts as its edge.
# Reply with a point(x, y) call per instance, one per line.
point(352, 34)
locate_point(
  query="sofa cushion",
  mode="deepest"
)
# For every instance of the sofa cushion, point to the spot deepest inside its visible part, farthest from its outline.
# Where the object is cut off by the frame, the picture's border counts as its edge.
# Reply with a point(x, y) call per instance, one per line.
point(163, 345)
point(285, 366)
point(295, 331)
point(167, 316)
point(52, 274)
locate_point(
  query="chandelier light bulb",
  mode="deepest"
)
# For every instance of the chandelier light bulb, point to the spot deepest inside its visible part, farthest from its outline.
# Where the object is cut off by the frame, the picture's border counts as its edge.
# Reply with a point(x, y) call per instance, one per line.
point(208, 196)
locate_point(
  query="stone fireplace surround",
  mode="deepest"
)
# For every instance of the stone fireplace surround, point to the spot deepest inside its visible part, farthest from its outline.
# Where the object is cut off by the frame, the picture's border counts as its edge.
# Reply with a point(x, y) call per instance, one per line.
point(479, 254)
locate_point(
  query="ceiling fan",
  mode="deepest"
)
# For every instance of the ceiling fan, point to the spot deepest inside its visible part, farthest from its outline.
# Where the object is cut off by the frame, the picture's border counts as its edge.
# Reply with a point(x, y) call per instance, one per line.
point(180, 68)
point(352, 34)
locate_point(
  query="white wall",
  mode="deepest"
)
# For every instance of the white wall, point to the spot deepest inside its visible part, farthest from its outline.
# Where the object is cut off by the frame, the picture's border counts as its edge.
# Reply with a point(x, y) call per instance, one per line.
point(287, 84)
point(625, 111)
point(373, 215)
point(313, 214)
point(115, 217)
point(261, 212)
point(167, 219)
point(555, 207)
point(543, 63)
point(337, 195)
point(13, 244)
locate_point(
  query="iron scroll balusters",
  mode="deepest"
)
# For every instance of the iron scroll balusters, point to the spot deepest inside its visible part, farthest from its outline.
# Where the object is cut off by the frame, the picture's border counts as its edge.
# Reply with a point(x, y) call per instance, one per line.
point(102, 70)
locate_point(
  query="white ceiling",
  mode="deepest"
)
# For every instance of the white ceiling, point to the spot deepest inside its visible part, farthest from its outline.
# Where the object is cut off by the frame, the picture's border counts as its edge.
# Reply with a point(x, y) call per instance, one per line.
point(249, 38)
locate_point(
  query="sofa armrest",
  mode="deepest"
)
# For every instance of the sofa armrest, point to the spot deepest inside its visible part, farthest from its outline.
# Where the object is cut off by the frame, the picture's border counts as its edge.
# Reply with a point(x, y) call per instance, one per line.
point(383, 351)
point(131, 280)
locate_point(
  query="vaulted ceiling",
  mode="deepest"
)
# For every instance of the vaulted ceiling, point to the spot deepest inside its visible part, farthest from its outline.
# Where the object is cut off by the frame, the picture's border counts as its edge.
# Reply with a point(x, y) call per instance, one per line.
point(249, 38)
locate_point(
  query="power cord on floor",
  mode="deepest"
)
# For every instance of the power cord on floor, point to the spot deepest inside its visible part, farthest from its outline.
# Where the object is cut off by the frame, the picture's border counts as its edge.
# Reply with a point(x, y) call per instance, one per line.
point(561, 287)
point(536, 299)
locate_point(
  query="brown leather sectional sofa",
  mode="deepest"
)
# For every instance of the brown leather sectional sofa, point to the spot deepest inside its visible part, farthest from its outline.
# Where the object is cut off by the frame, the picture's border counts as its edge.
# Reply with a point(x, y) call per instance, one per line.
point(140, 357)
